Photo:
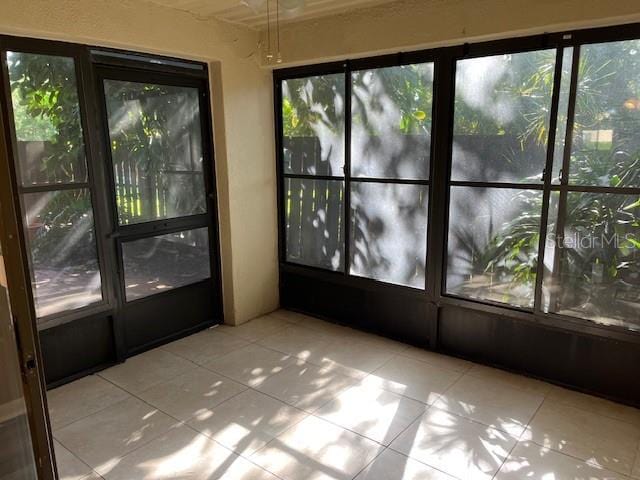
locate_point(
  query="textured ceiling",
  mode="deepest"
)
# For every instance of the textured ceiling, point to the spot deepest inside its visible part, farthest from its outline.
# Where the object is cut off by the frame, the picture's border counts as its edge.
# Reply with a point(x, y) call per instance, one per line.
point(236, 12)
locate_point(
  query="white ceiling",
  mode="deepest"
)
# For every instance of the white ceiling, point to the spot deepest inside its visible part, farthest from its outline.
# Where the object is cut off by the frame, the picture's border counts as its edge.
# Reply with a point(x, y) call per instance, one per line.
point(235, 11)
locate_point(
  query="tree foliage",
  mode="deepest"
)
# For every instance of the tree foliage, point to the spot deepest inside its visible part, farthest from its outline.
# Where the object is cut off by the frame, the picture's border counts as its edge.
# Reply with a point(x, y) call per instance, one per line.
point(605, 151)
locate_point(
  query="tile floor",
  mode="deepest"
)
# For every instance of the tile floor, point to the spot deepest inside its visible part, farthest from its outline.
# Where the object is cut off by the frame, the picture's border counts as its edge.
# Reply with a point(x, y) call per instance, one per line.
point(290, 397)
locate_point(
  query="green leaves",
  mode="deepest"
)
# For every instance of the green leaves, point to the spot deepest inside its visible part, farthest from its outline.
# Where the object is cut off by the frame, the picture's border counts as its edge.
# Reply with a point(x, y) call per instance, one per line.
point(419, 115)
point(635, 204)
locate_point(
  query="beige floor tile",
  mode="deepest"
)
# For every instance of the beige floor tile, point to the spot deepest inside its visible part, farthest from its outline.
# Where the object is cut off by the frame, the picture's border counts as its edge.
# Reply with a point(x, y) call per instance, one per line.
point(347, 334)
point(377, 341)
point(247, 422)
point(93, 476)
point(325, 327)
point(251, 365)
point(595, 405)
point(243, 469)
point(390, 465)
point(192, 393)
point(437, 359)
point(303, 343)
point(306, 386)
point(334, 332)
point(146, 370)
point(204, 346)
point(352, 358)
point(455, 445)
point(288, 315)
point(413, 379)
point(317, 450)
point(533, 462)
point(181, 453)
point(255, 329)
point(495, 403)
point(69, 466)
point(102, 438)
point(80, 399)
point(601, 441)
point(98, 425)
point(372, 412)
point(520, 381)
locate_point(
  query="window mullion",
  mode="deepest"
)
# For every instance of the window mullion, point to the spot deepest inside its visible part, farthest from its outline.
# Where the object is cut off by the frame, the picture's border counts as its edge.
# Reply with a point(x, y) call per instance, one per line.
point(566, 160)
point(568, 135)
point(347, 169)
point(442, 130)
point(548, 175)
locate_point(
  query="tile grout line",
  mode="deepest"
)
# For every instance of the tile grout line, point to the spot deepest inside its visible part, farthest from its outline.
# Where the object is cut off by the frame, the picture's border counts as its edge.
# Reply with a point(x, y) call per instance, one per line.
point(256, 342)
point(343, 373)
point(593, 412)
point(357, 381)
point(74, 455)
point(544, 397)
point(384, 449)
point(307, 412)
point(172, 377)
point(185, 424)
point(250, 340)
point(231, 451)
point(517, 387)
point(92, 413)
point(432, 406)
point(328, 337)
point(276, 438)
point(581, 460)
point(415, 358)
point(248, 387)
point(415, 459)
point(462, 374)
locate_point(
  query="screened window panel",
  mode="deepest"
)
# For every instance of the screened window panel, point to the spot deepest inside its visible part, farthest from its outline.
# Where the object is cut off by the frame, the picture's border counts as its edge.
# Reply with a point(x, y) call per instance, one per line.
point(592, 258)
point(501, 118)
point(46, 115)
point(156, 150)
point(606, 135)
point(158, 264)
point(389, 232)
point(313, 125)
point(62, 245)
point(391, 117)
point(314, 215)
point(493, 244)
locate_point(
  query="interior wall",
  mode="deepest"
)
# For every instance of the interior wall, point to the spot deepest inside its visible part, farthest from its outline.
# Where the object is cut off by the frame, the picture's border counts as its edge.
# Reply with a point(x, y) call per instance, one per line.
point(414, 24)
point(242, 113)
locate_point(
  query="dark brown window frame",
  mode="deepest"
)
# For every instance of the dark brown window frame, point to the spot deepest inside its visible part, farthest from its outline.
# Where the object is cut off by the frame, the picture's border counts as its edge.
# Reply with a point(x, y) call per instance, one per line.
point(101, 338)
point(440, 181)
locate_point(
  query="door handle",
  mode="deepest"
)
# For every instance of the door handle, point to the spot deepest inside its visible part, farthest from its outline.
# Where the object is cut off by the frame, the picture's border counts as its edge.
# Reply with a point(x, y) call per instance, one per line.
point(29, 364)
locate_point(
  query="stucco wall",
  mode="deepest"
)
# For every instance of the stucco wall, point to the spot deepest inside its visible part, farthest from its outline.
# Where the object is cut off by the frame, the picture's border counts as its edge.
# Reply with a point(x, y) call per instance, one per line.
point(414, 24)
point(243, 119)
